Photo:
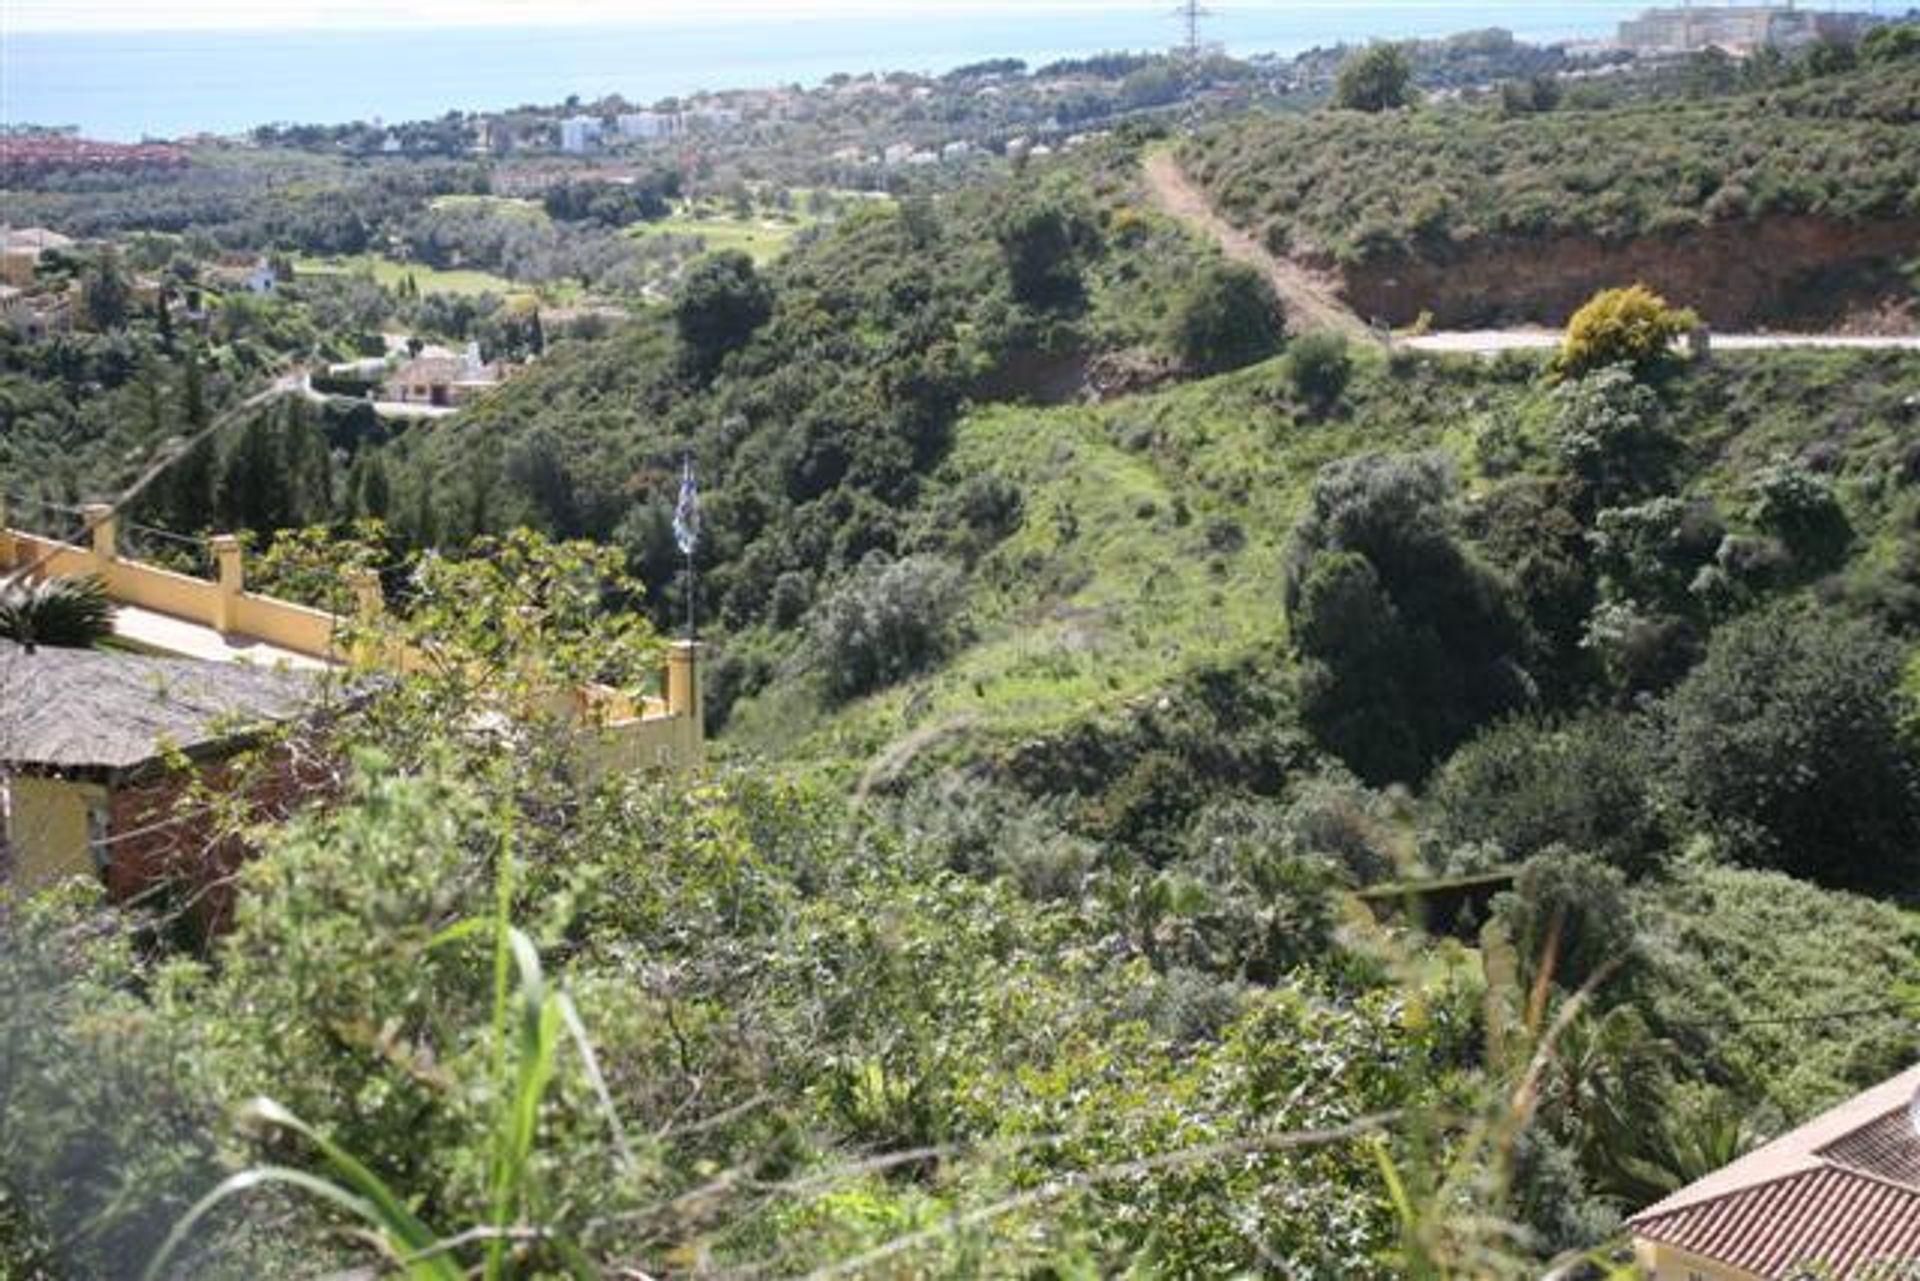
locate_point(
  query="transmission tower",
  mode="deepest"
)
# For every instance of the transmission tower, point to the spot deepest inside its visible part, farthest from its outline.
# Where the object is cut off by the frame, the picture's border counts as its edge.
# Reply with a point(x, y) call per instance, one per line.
point(1191, 14)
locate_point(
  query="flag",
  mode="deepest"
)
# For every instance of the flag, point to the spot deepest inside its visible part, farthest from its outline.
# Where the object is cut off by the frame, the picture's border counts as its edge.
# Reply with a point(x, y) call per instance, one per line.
point(686, 513)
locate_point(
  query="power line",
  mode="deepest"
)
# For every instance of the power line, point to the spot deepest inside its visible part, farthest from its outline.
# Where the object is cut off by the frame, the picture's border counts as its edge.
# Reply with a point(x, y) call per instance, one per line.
point(1790, 1020)
point(1191, 14)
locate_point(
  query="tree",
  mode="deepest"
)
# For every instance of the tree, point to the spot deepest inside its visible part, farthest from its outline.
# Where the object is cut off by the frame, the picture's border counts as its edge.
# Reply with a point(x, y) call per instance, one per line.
point(1606, 432)
point(1229, 317)
point(1892, 43)
point(1377, 78)
point(1409, 643)
point(105, 292)
point(720, 305)
point(1526, 786)
point(1319, 365)
point(1045, 240)
point(1786, 744)
point(1632, 326)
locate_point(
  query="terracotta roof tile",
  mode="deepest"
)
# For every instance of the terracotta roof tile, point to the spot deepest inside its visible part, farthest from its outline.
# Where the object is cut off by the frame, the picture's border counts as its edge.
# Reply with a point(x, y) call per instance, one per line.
point(1843, 1223)
point(1840, 1195)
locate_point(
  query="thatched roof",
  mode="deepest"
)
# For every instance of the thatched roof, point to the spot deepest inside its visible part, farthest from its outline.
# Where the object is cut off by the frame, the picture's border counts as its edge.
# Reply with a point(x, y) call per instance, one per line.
point(97, 711)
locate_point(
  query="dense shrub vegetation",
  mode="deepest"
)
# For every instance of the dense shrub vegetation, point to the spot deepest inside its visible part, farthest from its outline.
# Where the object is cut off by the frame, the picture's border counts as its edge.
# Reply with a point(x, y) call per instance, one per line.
point(1357, 187)
point(1045, 907)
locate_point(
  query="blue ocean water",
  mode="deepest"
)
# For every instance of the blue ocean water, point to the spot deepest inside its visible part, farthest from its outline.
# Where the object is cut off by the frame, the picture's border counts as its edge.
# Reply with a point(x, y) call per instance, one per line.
point(163, 84)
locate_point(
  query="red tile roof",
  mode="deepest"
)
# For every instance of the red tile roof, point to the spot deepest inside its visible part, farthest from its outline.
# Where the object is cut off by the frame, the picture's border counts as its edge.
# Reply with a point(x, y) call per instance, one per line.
point(1844, 1223)
point(1840, 1194)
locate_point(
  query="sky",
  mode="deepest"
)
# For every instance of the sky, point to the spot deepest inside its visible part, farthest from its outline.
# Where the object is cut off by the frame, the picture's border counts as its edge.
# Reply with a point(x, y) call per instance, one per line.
point(237, 15)
point(285, 15)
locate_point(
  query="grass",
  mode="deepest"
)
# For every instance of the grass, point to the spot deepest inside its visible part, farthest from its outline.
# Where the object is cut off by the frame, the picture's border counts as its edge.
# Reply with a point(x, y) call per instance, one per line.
point(529, 209)
point(763, 235)
point(431, 280)
point(1124, 577)
point(1151, 547)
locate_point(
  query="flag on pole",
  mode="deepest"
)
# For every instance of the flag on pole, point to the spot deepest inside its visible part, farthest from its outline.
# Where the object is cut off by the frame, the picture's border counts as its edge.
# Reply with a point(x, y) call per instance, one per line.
point(686, 513)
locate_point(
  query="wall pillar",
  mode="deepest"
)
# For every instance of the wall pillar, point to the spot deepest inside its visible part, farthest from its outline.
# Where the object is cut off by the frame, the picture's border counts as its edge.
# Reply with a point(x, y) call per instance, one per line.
point(233, 581)
point(683, 690)
point(369, 602)
point(104, 527)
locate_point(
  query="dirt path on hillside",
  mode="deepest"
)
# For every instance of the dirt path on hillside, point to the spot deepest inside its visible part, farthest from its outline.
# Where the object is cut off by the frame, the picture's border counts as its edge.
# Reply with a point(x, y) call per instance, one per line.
point(1310, 302)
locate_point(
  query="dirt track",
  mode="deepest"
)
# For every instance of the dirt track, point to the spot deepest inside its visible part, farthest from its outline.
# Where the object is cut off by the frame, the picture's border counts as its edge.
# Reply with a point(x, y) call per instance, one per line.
point(1310, 302)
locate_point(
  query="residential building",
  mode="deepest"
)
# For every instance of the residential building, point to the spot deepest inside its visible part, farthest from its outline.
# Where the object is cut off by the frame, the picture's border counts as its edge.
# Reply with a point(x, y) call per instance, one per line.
point(98, 747)
point(35, 317)
point(99, 750)
point(444, 381)
point(21, 251)
point(1738, 29)
point(651, 125)
point(898, 154)
point(956, 150)
point(579, 134)
point(1838, 1198)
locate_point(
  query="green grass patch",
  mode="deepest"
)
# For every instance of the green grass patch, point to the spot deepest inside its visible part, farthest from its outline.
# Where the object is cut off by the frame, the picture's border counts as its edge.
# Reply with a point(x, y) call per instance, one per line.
point(431, 280)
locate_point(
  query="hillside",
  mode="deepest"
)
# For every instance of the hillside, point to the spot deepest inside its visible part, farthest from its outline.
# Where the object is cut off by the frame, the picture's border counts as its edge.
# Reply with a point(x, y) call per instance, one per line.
point(1773, 206)
point(1190, 794)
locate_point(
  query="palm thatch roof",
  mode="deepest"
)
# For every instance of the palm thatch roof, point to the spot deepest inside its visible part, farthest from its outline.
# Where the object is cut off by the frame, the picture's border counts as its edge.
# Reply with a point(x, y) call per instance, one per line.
point(93, 711)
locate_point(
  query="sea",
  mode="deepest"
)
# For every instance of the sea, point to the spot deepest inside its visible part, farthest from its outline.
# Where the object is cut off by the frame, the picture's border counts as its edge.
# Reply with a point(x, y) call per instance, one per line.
point(163, 84)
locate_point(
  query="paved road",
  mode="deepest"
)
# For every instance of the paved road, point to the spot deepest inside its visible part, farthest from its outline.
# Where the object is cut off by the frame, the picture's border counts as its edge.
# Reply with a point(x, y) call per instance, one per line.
point(1491, 342)
point(1311, 302)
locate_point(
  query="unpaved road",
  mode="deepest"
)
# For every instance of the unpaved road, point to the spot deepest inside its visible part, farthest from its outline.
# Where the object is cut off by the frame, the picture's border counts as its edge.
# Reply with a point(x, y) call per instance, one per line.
point(1310, 302)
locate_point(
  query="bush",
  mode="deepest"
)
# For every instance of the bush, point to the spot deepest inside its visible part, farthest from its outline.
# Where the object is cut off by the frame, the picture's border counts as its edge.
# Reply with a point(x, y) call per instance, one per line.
point(1525, 786)
point(1786, 744)
point(721, 303)
point(1568, 915)
point(63, 613)
point(1800, 510)
point(1606, 432)
point(887, 621)
point(1409, 644)
point(1230, 317)
point(1377, 78)
point(1319, 365)
point(1633, 327)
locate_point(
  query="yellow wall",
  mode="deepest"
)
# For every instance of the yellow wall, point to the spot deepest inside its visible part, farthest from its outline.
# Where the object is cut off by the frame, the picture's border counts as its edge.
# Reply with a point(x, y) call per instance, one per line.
point(1667, 1263)
point(48, 830)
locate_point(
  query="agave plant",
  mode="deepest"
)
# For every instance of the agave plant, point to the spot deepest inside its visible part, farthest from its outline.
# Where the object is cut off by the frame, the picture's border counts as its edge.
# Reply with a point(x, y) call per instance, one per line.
point(66, 613)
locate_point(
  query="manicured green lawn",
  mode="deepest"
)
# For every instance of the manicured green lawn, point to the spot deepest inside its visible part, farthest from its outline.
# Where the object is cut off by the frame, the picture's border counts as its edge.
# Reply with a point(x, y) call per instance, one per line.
point(430, 280)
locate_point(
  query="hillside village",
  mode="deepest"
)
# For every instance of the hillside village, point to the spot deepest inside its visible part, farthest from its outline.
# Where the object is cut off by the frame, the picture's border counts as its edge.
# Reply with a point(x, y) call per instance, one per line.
point(1161, 664)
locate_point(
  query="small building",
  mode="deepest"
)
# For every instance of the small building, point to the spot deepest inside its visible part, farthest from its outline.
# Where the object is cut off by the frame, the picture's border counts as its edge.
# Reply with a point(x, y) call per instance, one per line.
point(956, 150)
point(1837, 1198)
point(898, 154)
point(98, 749)
point(650, 126)
point(21, 251)
point(35, 317)
point(579, 134)
point(444, 381)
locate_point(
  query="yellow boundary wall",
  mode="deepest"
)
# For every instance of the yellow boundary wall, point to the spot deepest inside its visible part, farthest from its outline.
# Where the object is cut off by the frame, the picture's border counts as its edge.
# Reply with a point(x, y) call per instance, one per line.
point(648, 734)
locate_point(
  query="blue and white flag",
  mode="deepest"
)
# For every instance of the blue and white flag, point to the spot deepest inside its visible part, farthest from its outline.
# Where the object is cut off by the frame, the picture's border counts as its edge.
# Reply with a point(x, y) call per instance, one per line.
point(686, 513)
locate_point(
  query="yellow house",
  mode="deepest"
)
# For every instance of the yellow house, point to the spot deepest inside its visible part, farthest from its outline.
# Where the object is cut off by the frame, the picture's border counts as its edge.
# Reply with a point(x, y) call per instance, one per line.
point(225, 654)
point(1838, 1199)
point(89, 741)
